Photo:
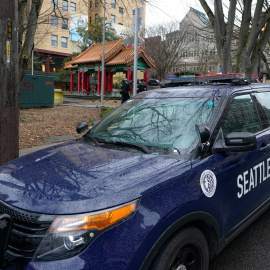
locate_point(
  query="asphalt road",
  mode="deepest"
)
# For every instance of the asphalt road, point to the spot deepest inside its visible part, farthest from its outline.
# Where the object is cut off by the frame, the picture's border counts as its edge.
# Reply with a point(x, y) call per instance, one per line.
point(249, 251)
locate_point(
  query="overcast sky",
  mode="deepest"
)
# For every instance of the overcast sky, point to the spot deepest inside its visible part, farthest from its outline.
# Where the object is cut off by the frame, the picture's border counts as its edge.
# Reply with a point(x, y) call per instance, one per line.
point(159, 11)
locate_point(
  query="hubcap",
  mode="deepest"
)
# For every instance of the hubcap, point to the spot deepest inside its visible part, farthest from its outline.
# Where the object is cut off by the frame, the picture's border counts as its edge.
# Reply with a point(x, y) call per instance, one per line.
point(181, 267)
point(187, 258)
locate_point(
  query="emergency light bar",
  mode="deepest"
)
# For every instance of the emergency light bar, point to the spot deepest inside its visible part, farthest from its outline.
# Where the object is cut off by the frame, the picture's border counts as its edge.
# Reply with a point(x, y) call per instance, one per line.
point(221, 77)
point(235, 78)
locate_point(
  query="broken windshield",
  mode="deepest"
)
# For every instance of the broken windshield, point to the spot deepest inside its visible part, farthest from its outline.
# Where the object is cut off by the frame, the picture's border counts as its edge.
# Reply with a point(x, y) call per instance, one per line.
point(162, 123)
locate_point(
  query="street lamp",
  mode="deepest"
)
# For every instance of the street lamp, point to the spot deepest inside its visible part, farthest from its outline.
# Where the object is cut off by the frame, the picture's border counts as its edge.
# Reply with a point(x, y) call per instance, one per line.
point(185, 67)
point(259, 60)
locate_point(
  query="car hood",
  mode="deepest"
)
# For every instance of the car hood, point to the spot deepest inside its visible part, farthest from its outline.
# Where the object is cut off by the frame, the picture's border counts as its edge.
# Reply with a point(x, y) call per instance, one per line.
point(77, 178)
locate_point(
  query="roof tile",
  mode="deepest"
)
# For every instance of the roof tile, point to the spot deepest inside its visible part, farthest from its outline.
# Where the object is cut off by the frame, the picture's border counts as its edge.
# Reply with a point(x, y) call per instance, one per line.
point(94, 52)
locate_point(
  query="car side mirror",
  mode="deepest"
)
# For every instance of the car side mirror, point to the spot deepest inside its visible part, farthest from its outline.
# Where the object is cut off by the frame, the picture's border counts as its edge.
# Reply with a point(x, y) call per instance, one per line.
point(203, 132)
point(236, 142)
point(82, 127)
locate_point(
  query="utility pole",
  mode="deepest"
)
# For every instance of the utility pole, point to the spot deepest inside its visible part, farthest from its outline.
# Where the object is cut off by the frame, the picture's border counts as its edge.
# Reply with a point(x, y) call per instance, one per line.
point(103, 53)
point(9, 105)
point(135, 50)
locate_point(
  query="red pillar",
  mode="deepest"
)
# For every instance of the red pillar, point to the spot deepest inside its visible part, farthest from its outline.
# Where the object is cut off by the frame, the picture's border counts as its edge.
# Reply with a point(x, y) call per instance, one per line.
point(99, 82)
point(71, 82)
point(108, 81)
point(105, 82)
point(87, 83)
point(110, 88)
point(146, 76)
point(132, 78)
point(83, 81)
point(129, 74)
point(79, 82)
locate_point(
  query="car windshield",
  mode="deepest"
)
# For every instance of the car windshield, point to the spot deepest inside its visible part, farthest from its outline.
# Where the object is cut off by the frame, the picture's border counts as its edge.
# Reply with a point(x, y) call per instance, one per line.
point(156, 123)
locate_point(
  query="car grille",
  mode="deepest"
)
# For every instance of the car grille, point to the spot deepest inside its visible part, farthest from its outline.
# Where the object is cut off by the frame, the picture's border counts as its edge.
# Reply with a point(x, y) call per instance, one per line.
point(26, 233)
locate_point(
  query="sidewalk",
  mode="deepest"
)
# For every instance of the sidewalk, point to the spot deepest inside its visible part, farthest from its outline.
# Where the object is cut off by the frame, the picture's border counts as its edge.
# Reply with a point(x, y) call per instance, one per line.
point(51, 141)
point(84, 101)
point(27, 151)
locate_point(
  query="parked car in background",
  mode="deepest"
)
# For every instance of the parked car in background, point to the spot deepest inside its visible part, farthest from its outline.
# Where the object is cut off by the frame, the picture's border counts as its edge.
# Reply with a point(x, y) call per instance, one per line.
point(153, 82)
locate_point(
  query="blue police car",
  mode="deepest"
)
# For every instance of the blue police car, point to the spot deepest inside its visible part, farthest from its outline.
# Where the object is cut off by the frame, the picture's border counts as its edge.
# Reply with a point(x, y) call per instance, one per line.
point(164, 182)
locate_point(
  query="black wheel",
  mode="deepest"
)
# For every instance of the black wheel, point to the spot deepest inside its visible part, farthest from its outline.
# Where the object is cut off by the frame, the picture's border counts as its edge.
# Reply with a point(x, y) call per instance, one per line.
point(187, 250)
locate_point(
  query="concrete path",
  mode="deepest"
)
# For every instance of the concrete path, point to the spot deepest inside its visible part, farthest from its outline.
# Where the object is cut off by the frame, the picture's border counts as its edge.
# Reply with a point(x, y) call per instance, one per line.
point(27, 151)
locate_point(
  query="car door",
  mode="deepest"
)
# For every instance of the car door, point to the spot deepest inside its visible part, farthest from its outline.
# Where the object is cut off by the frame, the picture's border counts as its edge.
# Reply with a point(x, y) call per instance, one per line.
point(242, 176)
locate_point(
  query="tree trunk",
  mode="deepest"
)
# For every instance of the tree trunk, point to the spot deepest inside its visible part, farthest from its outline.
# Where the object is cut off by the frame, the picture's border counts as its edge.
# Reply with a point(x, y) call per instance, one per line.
point(9, 108)
point(252, 35)
point(25, 50)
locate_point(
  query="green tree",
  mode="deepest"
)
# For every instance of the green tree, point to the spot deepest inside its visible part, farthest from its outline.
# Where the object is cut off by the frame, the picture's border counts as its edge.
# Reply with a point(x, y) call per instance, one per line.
point(94, 33)
point(64, 74)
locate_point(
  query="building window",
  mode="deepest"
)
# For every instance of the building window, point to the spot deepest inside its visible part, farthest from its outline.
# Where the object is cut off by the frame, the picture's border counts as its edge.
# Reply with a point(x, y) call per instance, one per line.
point(65, 24)
point(212, 67)
point(54, 41)
point(55, 64)
point(90, 19)
point(113, 4)
point(54, 4)
point(72, 6)
point(121, 10)
point(65, 5)
point(90, 4)
point(96, 17)
point(96, 3)
point(64, 42)
point(54, 21)
point(113, 18)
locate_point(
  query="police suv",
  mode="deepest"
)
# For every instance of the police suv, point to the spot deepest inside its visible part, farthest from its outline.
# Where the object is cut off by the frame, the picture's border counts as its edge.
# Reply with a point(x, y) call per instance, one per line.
point(163, 182)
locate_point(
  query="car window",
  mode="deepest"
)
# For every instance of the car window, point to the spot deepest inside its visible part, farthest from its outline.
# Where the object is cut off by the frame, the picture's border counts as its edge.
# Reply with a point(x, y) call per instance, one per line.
point(168, 123)
point(242, 116)
point(264, 100)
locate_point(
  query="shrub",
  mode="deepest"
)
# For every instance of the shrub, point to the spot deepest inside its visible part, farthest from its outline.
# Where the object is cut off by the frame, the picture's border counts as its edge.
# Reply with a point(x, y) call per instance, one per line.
point(92, 121)
point(105, 110)
point(116, 85)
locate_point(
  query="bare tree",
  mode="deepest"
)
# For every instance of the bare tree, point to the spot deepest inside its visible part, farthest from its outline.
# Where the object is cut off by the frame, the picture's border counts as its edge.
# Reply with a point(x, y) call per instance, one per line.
point(28, 13)
point(164, 46)
point(244, 22)
point(34, 24)
point(206, 56)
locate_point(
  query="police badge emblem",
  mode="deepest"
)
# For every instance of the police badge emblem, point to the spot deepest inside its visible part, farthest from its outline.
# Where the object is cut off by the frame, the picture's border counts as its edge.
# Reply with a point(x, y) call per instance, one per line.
point(208, 182)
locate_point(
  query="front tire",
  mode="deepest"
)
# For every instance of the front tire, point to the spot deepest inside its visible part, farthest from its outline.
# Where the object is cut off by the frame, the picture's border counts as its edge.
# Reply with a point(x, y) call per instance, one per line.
point(187, 250)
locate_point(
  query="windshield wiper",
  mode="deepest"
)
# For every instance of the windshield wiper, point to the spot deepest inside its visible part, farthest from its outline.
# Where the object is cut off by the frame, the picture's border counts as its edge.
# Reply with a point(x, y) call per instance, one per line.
point(93, 139)
point(139, 146)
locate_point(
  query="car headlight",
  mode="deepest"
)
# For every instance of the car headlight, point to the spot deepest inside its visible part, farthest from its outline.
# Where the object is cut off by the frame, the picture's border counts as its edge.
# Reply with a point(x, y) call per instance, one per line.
point(69, 235)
